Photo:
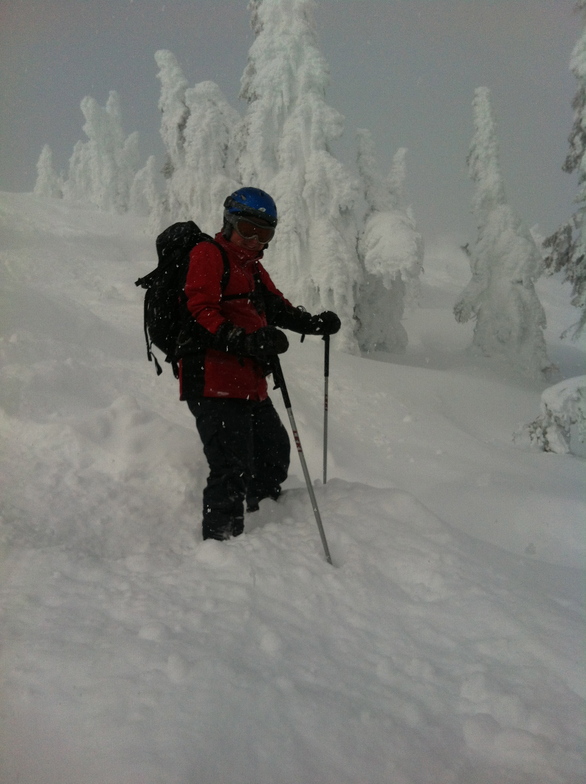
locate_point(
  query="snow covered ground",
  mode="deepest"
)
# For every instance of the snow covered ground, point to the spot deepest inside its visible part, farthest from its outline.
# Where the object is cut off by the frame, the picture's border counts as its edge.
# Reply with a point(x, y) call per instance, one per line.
point(445, 645)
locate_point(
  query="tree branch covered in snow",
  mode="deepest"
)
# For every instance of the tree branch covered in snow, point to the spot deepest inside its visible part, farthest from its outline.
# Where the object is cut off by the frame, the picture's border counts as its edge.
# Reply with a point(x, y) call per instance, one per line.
point(567, 245)
point(562, 406)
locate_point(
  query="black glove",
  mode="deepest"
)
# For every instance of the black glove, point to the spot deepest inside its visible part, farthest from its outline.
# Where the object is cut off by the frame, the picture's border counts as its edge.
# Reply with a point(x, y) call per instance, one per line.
point(265, 342)
point(326, 323)
point(229, 338)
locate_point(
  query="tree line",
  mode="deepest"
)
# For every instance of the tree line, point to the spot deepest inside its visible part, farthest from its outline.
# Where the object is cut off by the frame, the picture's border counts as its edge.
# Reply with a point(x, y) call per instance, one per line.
point(347, 242)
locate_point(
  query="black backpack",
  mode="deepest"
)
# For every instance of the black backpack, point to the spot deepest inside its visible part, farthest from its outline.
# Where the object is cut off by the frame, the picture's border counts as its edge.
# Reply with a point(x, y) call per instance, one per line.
point(165, 298)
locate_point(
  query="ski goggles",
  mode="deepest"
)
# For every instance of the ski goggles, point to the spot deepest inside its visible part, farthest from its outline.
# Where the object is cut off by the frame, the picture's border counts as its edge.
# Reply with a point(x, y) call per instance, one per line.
point(248, 229)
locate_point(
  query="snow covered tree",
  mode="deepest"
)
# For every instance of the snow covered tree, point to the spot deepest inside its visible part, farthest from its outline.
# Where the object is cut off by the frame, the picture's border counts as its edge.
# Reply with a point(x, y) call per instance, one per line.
point(144, 198)
point(567, 246)
point(174, 111)
point(391, 249)
point(285, 148)
point(563, 408)
point(209, 152)
point(198, 129)
point(102, 169)
point(48, 182)
point(174, 114)
point(504, 260)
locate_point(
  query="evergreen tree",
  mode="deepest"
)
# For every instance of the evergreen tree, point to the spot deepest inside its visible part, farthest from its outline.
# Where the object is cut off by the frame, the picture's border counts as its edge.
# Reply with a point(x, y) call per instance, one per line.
point(504, 260)
point(285, 148)
point(48, 183)
point(174, 114)
point(209, 153)
point(174, 111)
point(198, 128)
point(101, 170)
point(144, 196)
point(391, 249)
point(567, 246)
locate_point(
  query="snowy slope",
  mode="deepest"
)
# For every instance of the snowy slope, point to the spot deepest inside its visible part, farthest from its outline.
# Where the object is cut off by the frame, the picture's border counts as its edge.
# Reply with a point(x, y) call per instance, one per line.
point(443, 647)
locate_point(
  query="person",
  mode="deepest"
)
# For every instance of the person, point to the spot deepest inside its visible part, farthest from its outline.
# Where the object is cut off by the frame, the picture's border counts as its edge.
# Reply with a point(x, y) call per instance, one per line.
point(231, 330)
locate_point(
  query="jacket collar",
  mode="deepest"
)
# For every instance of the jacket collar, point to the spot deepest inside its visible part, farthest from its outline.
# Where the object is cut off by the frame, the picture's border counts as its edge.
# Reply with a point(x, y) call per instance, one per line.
point(242, 255)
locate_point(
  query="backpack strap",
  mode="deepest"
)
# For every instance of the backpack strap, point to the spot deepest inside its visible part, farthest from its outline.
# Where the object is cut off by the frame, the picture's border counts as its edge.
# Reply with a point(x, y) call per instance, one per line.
point(226, 271)
point(255, 295)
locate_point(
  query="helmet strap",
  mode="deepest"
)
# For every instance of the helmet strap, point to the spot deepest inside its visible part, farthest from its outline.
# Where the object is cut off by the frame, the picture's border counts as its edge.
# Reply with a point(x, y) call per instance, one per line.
point(227, 229)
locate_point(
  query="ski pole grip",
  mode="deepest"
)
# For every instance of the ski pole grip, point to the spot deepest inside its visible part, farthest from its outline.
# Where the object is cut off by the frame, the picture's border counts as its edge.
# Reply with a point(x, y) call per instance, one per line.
point(327, 356)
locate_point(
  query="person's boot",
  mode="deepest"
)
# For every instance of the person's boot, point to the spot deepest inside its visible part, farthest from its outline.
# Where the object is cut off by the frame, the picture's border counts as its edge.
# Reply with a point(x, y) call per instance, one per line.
point(224, 531)
point(253, 501)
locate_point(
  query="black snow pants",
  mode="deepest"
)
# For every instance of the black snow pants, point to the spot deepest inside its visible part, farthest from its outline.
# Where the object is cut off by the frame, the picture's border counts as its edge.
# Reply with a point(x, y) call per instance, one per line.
point(248, 453)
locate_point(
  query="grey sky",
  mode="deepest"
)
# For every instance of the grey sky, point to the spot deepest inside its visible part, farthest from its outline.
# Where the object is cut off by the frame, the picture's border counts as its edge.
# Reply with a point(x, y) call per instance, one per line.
point(405, 69)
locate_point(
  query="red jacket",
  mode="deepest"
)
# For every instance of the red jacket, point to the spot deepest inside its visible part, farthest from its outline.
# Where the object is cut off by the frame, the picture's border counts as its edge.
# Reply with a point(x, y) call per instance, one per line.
point(208, 372)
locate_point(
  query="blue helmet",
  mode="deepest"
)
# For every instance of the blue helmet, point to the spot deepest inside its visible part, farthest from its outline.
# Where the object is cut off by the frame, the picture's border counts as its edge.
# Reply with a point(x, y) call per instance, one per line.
point(252, 202)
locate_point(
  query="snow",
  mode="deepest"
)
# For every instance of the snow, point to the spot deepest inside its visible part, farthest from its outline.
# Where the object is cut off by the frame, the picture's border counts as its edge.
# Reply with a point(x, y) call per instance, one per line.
point(443, 647)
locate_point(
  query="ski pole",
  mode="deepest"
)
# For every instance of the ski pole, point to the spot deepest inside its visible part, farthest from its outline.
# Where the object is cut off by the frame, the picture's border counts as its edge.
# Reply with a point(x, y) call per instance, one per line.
point(280, 383)
point(326, 402)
